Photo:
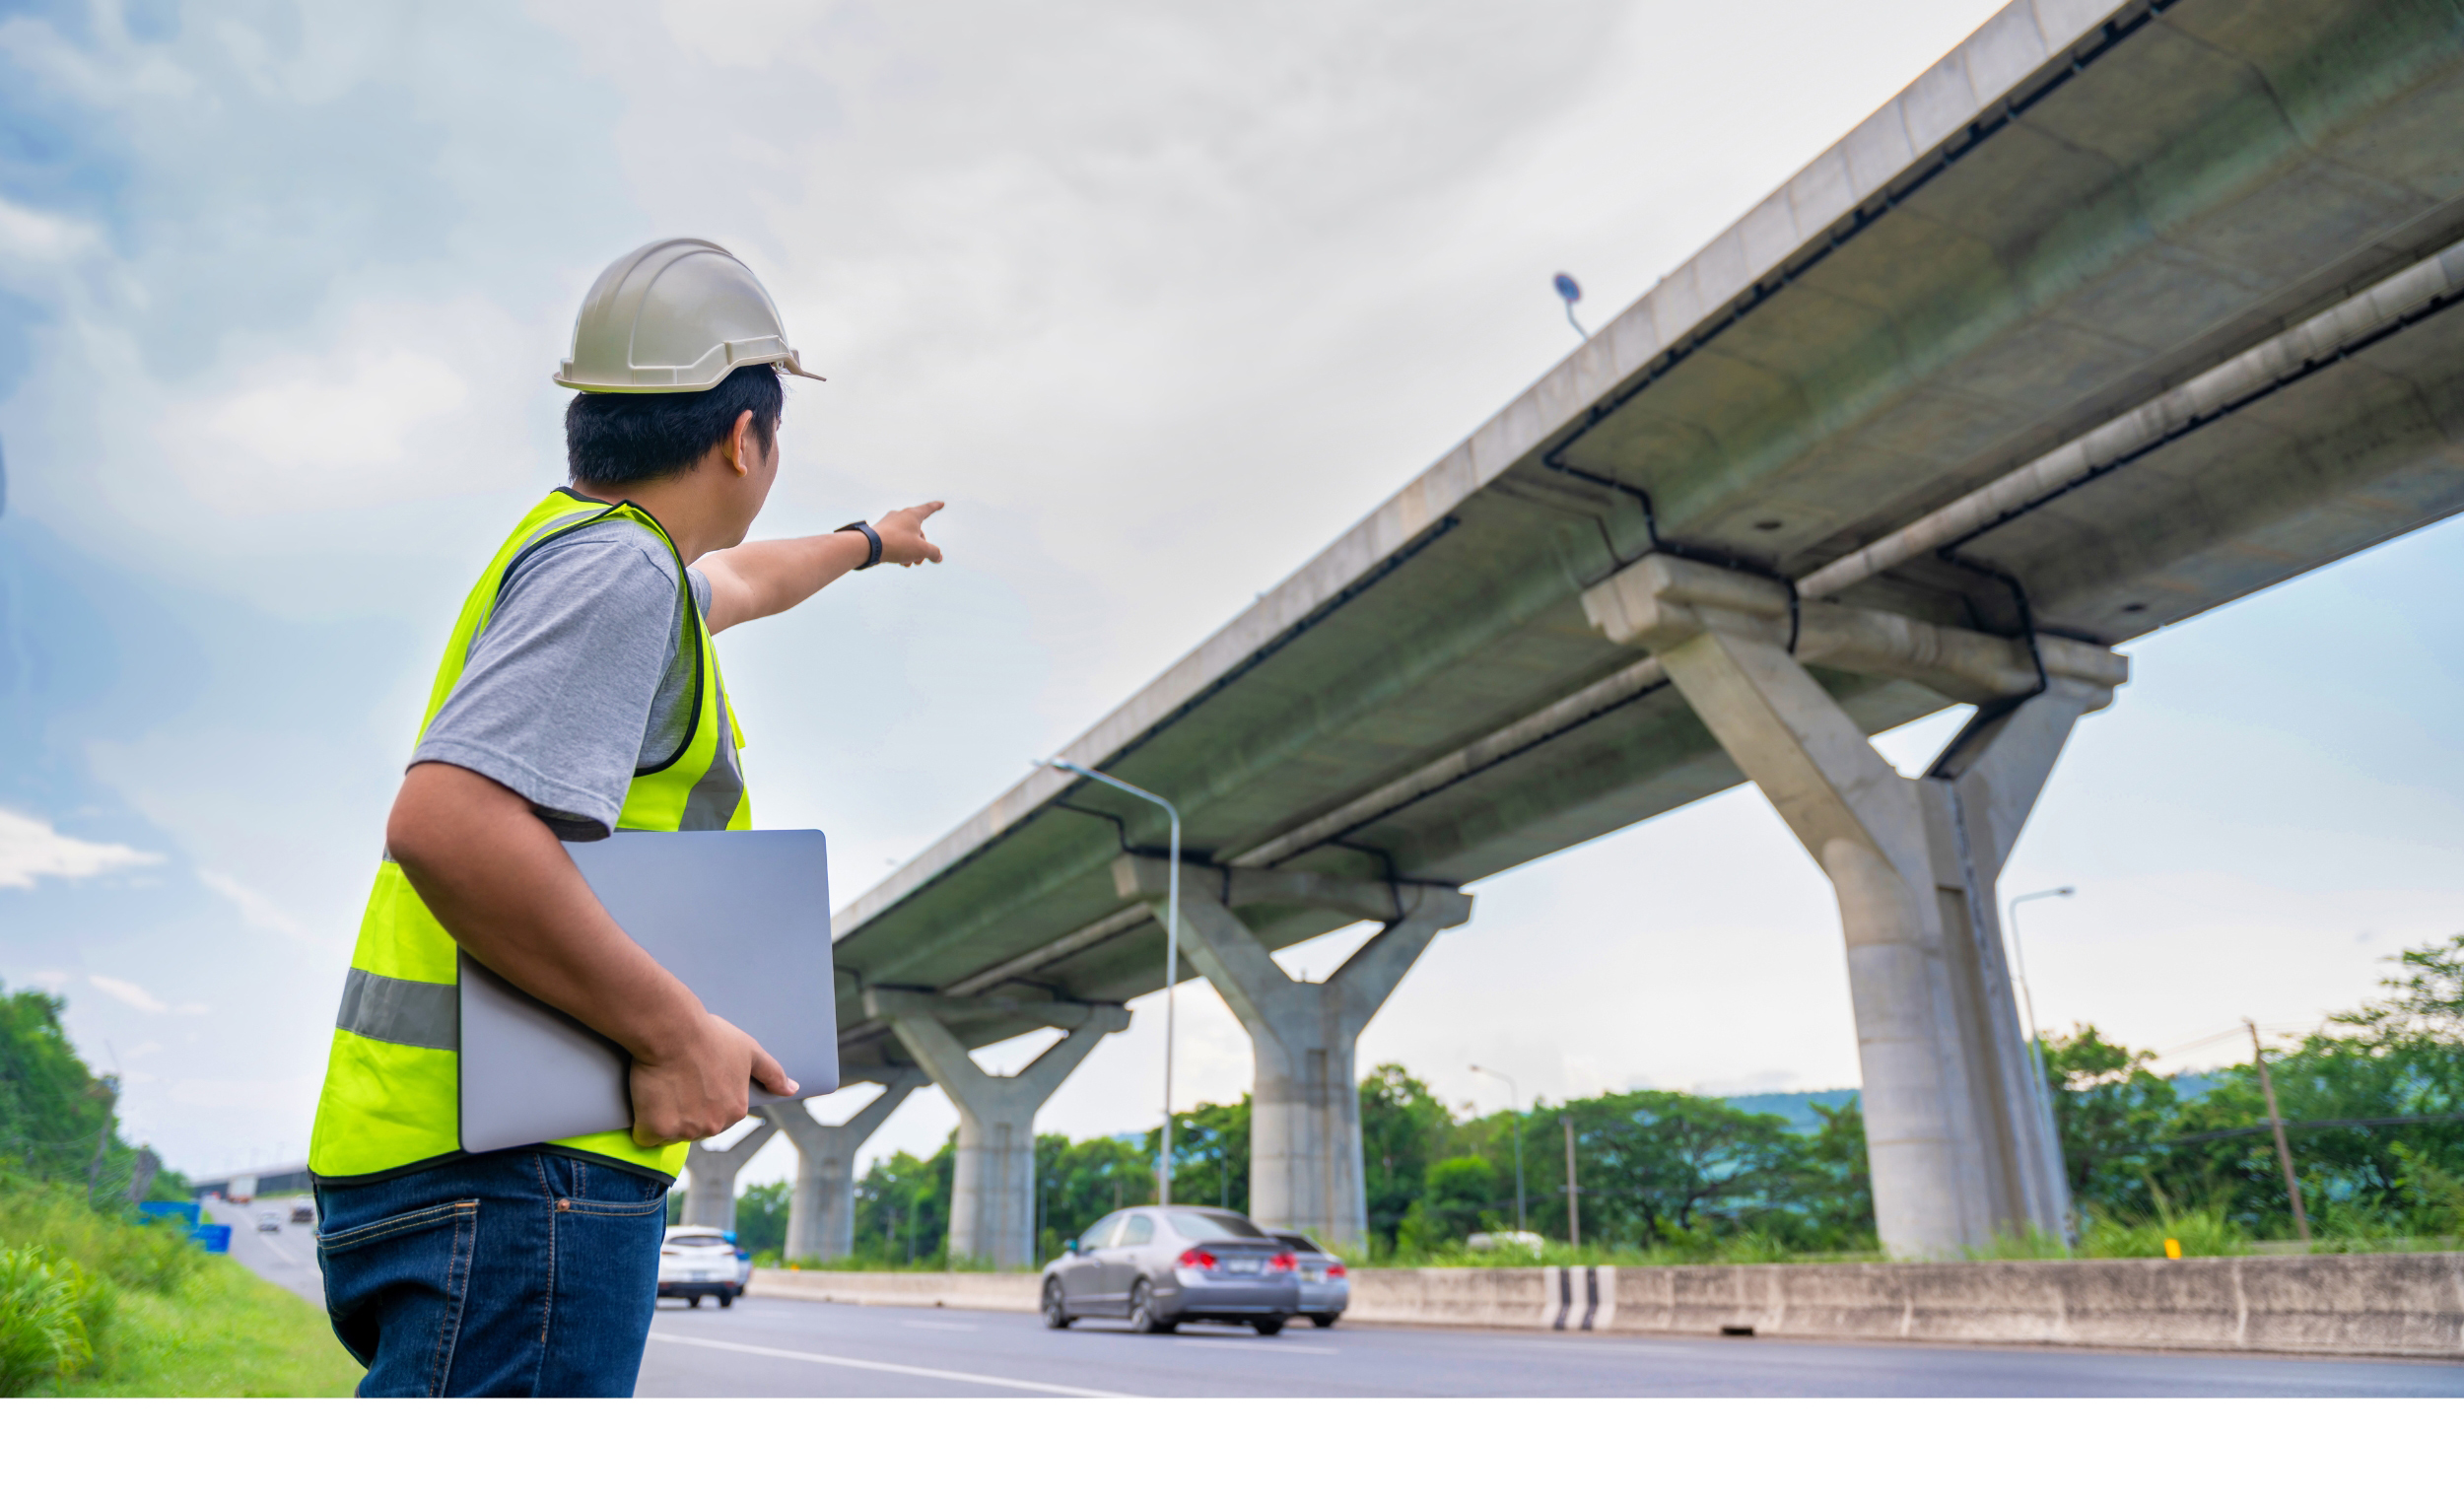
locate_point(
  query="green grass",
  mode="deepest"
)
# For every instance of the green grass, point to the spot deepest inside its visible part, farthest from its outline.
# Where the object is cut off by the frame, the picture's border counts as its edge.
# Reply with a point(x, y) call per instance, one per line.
point(149, 1313)
point(226, 1334)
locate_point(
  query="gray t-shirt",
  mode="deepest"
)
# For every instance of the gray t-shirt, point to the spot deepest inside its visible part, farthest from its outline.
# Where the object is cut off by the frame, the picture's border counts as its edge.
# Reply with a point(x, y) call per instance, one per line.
point(577, 679)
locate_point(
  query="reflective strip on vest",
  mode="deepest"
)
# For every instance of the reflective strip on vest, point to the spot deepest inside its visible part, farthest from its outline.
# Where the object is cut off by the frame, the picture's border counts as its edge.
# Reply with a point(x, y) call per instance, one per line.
point(392, 1081)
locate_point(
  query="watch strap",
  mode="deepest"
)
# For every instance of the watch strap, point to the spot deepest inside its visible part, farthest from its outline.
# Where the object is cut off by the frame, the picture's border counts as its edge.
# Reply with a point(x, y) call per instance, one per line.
point(872, 541)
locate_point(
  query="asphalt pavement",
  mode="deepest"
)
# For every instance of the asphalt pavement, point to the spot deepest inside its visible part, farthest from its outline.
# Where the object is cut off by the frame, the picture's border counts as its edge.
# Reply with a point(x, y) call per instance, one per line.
point(781, 1347)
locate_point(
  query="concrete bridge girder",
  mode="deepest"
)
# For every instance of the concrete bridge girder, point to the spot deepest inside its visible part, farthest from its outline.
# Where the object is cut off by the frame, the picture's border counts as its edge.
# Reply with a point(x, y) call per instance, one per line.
point(1306, 1165)
point(1961, 1146)
point(821, 1208)
point(992, 1197)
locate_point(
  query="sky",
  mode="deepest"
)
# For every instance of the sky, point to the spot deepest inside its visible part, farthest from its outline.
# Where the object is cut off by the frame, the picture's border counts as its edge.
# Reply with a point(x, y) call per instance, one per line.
point(1160, 299)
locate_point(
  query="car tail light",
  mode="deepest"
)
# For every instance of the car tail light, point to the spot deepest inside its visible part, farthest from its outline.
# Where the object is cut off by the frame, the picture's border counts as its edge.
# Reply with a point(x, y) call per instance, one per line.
point(1196, 1258)
point(1335, 1271)
point(1284, 1263)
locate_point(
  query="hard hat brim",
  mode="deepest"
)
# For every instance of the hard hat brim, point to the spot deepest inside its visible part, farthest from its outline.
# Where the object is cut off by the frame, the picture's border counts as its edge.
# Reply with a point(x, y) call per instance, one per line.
point(787, 364)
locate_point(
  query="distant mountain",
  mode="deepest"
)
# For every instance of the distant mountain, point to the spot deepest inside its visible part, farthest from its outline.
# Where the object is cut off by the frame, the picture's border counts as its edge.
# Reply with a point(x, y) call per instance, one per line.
point(1796, 1106)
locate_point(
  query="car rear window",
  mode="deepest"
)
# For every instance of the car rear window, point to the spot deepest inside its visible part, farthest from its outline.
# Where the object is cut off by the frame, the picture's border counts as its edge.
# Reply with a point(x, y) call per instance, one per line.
point(1298, 1244)
point(697, 1242)
point(1205, 1224)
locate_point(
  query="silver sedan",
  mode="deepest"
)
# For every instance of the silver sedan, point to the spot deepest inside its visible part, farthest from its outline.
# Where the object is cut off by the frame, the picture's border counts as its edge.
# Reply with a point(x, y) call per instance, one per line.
point(1159, 1266)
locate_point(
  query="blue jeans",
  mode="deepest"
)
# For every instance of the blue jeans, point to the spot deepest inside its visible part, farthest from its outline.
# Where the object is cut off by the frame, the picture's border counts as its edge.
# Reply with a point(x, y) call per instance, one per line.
point(514, 1274)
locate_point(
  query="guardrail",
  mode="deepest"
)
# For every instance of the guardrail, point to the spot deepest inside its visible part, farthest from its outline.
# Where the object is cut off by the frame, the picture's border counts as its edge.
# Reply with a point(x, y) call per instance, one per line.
point(2372, 1304)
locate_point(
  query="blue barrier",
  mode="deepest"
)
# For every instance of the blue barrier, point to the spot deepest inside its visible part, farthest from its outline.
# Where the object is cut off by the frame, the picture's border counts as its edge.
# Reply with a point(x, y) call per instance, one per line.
point(166, 1210)
point(213, 1238)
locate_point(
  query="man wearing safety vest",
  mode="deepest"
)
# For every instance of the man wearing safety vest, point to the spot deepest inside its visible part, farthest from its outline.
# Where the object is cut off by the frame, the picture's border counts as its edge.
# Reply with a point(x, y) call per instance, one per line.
point(579, 695)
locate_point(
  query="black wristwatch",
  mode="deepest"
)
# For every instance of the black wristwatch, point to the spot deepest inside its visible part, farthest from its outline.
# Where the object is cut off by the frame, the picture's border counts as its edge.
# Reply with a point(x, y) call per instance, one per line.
point(872, 541)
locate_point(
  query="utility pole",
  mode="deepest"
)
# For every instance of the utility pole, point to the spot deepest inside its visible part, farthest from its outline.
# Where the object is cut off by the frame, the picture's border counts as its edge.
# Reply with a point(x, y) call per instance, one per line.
point(2283, 1149)
point(1574, 1189)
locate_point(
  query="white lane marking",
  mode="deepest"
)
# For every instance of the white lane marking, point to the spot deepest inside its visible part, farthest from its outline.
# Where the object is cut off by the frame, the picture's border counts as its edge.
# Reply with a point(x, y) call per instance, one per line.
point(890, 1367)
point(1235, 1343)
point(278, 1250)
point(934, 1326)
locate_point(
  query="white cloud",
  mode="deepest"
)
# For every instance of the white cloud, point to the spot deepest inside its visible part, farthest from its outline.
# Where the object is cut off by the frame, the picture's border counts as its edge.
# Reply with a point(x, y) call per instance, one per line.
point(30, 847)
point(130, 993)
point(361, 418)
point(30, 234)
point(256, 909)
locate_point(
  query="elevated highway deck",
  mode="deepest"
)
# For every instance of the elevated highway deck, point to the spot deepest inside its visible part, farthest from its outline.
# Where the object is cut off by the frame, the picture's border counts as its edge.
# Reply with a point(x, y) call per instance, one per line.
point(1974, 367)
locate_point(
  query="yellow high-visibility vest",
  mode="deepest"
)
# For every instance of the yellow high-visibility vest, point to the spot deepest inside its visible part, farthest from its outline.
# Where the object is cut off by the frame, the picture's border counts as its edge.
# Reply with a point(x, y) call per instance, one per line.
point(392, 1096)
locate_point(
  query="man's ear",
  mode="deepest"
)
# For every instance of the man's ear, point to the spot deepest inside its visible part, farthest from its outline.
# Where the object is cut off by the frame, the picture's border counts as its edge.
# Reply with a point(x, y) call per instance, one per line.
point(733, 448)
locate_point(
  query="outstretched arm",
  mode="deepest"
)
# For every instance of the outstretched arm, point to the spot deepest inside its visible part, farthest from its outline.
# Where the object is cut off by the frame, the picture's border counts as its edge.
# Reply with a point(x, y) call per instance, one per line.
point(755, 580)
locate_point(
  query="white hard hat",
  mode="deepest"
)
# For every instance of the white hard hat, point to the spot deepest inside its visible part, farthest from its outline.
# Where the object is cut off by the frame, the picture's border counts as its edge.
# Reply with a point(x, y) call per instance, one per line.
point(675, 316)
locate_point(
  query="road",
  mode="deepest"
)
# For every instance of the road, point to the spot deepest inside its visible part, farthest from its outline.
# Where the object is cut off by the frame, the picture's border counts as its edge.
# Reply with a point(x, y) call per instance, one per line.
point(287, 1257)
point(779, 1348)
point(791, 1348)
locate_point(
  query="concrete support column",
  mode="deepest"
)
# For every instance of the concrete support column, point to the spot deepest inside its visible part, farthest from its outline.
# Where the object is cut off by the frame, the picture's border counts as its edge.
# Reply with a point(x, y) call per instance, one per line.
point(1305, 1164)
point(992, 1203)
point(710, 1195)
point(1960, 1149)
point(821, 1213)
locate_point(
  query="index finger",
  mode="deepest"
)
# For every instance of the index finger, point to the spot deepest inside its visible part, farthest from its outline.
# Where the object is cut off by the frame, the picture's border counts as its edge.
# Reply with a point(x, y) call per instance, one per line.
point(924, 509)
point(770, 1075)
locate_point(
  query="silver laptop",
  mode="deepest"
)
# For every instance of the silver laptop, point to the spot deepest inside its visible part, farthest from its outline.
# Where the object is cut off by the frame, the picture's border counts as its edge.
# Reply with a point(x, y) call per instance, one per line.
point(742, 916)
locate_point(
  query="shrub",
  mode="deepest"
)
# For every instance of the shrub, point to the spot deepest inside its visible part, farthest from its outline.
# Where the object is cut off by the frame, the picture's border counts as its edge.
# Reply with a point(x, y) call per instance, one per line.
point(56, 1219)
point(42, 1335)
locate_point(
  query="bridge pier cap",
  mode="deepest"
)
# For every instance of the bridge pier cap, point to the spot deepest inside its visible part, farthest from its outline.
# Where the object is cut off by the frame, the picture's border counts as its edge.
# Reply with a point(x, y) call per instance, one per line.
point(992, 1197)
point(1961, 1145)
point(1306, 1166)
point(821, 1207)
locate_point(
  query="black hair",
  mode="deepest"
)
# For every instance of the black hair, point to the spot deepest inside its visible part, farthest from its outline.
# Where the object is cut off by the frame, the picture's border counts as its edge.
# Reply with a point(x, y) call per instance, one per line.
point(620, 439)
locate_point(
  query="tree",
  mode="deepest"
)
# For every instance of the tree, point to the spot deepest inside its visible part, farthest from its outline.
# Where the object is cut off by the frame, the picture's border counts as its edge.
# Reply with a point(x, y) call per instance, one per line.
point(1461, 1197)
point(1209, 1155)
point(1079, 1183)
point(1403, 1127)
point(58, 1119)
point(2110, 1112)
point(762, 1218)
point(903, 1207)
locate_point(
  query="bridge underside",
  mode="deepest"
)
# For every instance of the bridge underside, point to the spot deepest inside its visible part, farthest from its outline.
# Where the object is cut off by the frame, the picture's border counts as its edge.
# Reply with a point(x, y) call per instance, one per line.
point(2205, 178)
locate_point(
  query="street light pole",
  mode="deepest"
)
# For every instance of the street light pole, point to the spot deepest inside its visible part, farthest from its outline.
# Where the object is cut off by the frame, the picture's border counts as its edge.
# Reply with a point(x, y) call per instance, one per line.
point(1514, 1098)
point(2027, 1001)
point(1171, 949)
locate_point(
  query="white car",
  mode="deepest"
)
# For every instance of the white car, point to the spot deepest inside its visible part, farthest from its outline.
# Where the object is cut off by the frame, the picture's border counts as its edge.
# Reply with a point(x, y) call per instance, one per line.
point(268, 1219)
point(696, 1261)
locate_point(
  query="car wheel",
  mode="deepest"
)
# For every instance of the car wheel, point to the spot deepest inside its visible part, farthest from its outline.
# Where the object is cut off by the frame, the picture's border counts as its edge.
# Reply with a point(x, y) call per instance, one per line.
point(1322, 1321)
point(726, 1302)
point(1055, 1311)
point(1142, 1317)
point(1267, 1324)
point(694, 1300)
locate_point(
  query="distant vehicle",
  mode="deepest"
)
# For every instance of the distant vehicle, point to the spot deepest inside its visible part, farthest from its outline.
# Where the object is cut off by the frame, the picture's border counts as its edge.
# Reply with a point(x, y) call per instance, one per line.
point(744, 1266)
point(1490, 1241)
point(1326, 1286)
point(1159, 1266)
point(242, 1189)
point(698, 1261)
point(268, 1219)
point(303, 1211)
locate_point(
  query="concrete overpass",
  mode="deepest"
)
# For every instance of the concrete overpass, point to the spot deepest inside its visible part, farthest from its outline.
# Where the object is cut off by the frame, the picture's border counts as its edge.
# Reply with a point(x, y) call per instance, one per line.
point(2112, 317)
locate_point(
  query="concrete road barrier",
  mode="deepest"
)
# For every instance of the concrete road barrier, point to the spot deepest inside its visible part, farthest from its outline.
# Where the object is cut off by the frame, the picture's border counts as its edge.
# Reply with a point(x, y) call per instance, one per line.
point(2381, 1304)
point(953, 1291)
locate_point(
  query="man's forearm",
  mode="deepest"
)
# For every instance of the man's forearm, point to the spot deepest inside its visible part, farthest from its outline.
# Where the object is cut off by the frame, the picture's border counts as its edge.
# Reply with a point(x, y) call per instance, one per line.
point(765, 578)
point(500, 883)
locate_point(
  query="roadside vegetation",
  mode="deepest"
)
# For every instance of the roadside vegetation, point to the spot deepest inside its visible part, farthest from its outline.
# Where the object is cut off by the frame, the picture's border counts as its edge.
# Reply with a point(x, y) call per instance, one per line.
point(94, 1300)
point(2375, 1095)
